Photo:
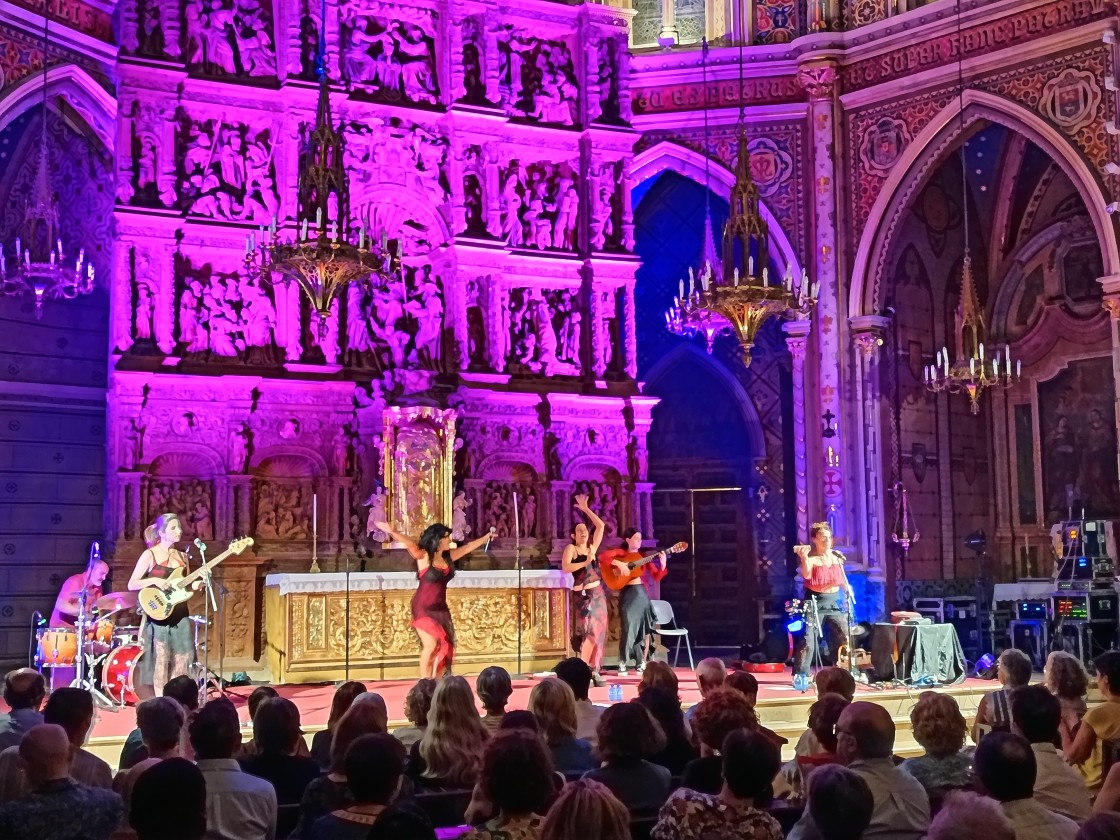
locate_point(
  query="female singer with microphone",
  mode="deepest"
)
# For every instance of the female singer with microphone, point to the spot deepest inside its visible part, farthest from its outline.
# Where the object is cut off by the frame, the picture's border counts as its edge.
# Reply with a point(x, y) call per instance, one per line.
point(822, 569)
point(431, 618)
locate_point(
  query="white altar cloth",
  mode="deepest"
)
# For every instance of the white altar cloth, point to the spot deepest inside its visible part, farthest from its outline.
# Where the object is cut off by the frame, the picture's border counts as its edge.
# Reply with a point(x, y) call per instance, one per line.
point(377, 581)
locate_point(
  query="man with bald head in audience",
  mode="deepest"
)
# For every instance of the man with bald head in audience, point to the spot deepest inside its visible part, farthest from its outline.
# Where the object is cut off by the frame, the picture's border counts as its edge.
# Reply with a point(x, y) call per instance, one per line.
point(24, 690)
point(1005, 770)
point(865, 743)
point(57, 808)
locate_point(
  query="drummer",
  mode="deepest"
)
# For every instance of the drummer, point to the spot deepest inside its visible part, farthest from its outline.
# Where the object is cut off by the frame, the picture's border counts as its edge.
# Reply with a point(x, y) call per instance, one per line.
point(66, 605)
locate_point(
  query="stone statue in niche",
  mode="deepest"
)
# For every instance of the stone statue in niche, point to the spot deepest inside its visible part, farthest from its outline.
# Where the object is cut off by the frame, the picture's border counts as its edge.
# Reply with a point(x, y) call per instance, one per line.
point(145, 306)
point(512, 188)
point(637, 459)
point(498, 509)
point(358, 339)
point(283, 511)
point(609, 56)
point(226, 171)
point(474, 205)
point(606, 326)
point(192, 498)
point(567, 214)
point(151, 28)
point(529, 515)
point(603, 498)
point(340, 454)
point(147, 175)
point(537, 79)
point(239, 443)
point(132, 445)
point(376, 504)
point(229, 38)
point(459, 526)
point(201, 522)
point(474, 81)
point(538, 321)
point(476, 326)
point(604, 230)
point(391, 55)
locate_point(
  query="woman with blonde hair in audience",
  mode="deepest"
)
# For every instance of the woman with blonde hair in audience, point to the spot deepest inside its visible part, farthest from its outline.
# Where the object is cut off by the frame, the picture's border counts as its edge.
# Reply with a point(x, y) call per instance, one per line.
point(450, 753)
point(343, 697)
point(417, 704)
point(940, 729)
point(586, 809)
point(553, 704)
point(1067, 680)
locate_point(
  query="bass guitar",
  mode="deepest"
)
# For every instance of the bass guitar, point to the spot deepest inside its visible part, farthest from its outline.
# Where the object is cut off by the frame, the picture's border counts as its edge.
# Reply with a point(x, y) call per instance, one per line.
point(614, 579)
point(159, 603)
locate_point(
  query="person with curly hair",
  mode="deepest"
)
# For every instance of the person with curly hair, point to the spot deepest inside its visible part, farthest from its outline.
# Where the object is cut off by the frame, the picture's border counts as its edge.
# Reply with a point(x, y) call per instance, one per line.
point(665, 707)
point(585, 809)
point(450, 753)
point(517, 785)
point(589, 599)
point(719, 714)
point(628, 736)
point(1067, 680)
point(343, 697)
point(494, 688)
point(554, 705)
point(417, 704)
point(940, 729)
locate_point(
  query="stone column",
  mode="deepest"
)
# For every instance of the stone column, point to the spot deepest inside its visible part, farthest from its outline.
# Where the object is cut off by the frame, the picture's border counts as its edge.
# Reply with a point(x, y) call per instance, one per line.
point(1111, 286)
point(867, 338)
point(223, 506)
point(797, 338)
point(240, 491)
point(629, 321)
point(627, 205)
point(643, 505)
point(668, 35)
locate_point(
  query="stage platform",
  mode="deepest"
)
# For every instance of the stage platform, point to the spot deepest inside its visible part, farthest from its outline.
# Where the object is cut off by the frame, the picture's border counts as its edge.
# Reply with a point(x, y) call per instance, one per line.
point(780, 707)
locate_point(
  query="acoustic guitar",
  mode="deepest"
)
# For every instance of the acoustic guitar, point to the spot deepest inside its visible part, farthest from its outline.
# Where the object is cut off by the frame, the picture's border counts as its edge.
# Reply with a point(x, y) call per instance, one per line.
point(159, 603)
point(614, 579)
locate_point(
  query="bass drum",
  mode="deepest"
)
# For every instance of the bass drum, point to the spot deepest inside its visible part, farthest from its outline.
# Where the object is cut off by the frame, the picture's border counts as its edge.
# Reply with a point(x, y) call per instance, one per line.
point(119, 672)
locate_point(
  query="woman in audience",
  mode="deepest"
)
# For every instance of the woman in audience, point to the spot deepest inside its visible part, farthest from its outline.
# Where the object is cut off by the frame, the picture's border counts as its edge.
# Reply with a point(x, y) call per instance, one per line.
point(994, 712)
point(940, 729)
point(1067, 680)
point(449, 754)
point(719, 714)
point(321, 743)
point(586, 809)
point(154, 815)
point(517, 784)
point(1101, 723)
point(628, 735)
point(746, 684)
point(494, 688)
point(374, 766)
point(830, 680)
point(416, 706)
point(520, 719)
point(749, 762)
point(666, 710)
point(256, 697)
point(553, 704)
point(1109, 797)
point(823, 717)
point(661, 675)
point(966, 815)
point(840, 803)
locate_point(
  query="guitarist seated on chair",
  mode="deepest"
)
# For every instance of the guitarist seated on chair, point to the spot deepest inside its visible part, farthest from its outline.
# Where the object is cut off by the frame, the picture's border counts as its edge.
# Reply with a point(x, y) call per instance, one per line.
point(168, 644)
point(634, 608)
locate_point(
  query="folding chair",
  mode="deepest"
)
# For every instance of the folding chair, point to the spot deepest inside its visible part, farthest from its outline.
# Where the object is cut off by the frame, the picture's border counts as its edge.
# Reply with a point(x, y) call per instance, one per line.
point(667, 626)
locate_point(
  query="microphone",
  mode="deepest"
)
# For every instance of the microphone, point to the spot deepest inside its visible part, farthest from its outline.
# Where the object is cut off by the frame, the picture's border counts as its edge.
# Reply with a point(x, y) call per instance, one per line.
point(95, 552)
point(489, 537)
point(40, 620)
point(199, 544)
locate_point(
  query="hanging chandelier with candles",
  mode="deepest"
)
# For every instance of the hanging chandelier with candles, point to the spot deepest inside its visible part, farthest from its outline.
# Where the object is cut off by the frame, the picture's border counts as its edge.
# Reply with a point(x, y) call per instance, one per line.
point(39, 266)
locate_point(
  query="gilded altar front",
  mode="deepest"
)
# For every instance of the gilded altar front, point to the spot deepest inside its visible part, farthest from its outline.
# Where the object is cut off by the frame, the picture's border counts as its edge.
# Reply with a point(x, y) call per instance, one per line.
point(307, 627)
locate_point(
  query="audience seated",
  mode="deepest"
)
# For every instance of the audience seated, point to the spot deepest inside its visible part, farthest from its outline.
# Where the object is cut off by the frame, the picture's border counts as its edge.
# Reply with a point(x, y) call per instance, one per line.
point(154, 815)
point(182, 690)
point(966, 816)
point(321, 742)
point(256, 697)
point(24, 690)
point(1109, 797)
point(374, 766)
point(823, 717)
point(160, 721)
point(577, 674)
point(840, 802)
point(749, 762)
point(586, 809)
point(1066, 678)
point(57, 807)
point(1013, 668)
point(450, 753)
point(746, 684)
point(628, 735)
point(238, 806)
point(416, 706)
point(1005, 771)
point(666, 710)
point(1036, 714)
point(494, 688)
point(831, 680)
point(1101, 723)
point(516, 788)
point(554, 705)
point(710, 675)
point(662, 675)
point(520, 719)
point(1100, 827)
point(718, 715)
point(940, 729)
point(865, 742)
point(72, 709)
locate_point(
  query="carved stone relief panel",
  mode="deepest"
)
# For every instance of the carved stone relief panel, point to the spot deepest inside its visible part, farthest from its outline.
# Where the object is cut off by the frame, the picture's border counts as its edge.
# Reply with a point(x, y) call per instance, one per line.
point(223, 314)
point(396, 325)
point(537, 79)
point(496, 509)
point(146, 174)
point(226, 170)
point(229, 38)
point(391, 151)
point(540, 206)
point(191, 498)
point(282, 509)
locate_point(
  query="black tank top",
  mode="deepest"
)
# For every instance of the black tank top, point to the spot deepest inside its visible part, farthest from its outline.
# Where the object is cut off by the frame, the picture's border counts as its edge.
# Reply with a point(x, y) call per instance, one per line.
point(181, 611)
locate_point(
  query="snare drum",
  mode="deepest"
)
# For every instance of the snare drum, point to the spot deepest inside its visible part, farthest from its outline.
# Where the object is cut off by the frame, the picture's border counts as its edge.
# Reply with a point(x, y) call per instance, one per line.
point(119, 672)
point(56, 646)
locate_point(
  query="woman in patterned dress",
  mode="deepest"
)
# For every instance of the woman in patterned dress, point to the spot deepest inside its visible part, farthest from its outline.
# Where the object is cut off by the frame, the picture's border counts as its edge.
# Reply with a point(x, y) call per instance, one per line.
point(589, 601)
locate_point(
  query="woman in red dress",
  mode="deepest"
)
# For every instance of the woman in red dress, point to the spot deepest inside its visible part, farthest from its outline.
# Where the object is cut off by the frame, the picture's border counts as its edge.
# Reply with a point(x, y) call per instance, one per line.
point(435, 567)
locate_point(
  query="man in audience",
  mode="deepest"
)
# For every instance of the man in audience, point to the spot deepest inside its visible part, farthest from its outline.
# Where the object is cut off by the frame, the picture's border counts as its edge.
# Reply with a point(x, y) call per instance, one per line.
point(155, 815)
point(1036, 714)
point(840, 802)
point(238, 806)
point(747, 684)
point(182, 689)
point(23, 692)
point(72, 709)
point(161, 721)
point(710, 675)
point(57, 808)
point(577, 674)
point(831, 680)
point(1005, 768)
point(966, 815)
point(865, 742)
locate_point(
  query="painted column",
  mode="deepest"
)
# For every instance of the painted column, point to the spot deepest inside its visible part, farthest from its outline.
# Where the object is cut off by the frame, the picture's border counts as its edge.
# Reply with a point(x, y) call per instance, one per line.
point(867, 338)
point(625, 180)
point(797, 338)
point(1111, 286)
point(668, 36)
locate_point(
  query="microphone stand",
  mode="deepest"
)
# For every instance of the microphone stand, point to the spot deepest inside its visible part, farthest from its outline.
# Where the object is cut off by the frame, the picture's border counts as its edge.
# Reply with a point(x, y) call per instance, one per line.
point(347, 634)
point(208, 601)
point(517, 565)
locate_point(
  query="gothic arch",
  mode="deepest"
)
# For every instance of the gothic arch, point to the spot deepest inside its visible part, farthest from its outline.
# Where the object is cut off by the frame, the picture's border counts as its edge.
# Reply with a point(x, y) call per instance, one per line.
point(928, 149)
point(93, 106)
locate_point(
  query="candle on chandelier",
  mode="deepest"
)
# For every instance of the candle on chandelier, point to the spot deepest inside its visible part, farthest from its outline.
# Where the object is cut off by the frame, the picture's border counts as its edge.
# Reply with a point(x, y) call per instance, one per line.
point(1018, 368)
point(303, 232)
point(765, 278)
point(1007, 353)
point(995, 367)
point(750, 266)
point(981, 351)
point(972, 366)
point(361, 238)
point(58, 245)
point(318, 217)
point(272, 225)
point(682, 288)
point(945, 359)
point(735, 278)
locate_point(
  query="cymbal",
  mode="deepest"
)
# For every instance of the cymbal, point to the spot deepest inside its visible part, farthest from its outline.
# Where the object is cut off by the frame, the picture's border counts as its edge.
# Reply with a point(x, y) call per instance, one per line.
point(116, 601)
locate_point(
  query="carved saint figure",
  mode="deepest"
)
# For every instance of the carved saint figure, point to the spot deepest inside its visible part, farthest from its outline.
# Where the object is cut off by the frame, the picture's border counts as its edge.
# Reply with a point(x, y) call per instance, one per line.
point(459, 526)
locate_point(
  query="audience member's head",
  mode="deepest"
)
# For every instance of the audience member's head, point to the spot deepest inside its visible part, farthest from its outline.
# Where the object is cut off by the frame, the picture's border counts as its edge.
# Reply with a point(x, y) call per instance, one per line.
point(158, 814)
point(710, 674)
point(1014, 668)
point(1005, 766)
point(628, 732)
point(215, 731)
point(517, 774)
point(46, 753)
point(577, 674)
point(833, 680)
point(1104, 826)
point(343, 698)
point(258, 696)
point(24, 688)
point(665, 707)
point(966, 815)
point(840, 802)
point(360, 719)
point(554, 706)
point(1036, 714)
point(374, 765)
point(662, 675)
point(864, 731)
point(375, 702)
point(419, 701)
point(494, 689)
point(276, 727)
point(72, 709)
point(750, 763)
point(185, 690)
point(939, 726)
point(823, 717)
point(520, 719)
point(1108, 673)
point(723, 711)
point(584, 809)
point(452, 743)
point(160, 721)
point(745, 683)
point(1065, 676)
